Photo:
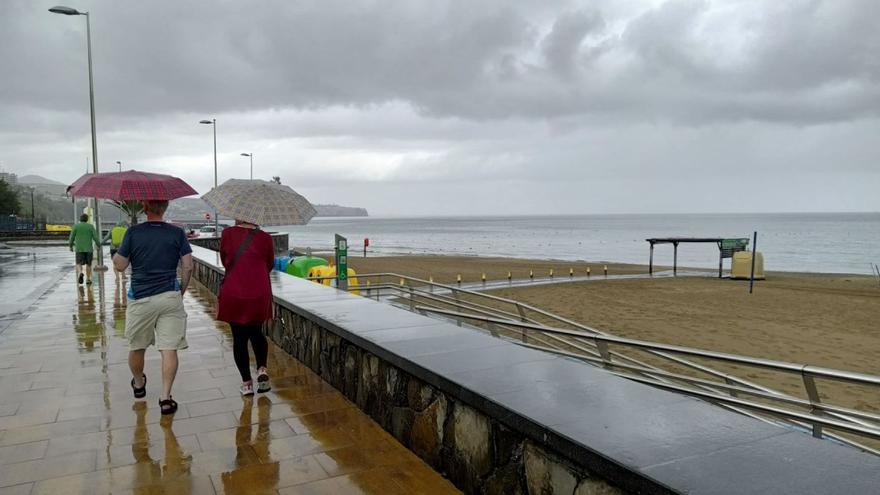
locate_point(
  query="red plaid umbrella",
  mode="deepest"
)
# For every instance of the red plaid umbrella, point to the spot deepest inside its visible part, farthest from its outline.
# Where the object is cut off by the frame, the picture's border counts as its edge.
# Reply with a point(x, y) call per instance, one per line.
point(130, 185)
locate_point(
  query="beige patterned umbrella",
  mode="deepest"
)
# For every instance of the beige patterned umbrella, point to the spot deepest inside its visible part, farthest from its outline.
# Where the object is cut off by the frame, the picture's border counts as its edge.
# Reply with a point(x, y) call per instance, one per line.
point(260, 202)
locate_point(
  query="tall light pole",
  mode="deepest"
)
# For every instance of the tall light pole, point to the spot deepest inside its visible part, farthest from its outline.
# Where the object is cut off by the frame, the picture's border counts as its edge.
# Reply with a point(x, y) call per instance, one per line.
point(213, 123)
point(119, 164)
point(72, 11)
point(251, 155)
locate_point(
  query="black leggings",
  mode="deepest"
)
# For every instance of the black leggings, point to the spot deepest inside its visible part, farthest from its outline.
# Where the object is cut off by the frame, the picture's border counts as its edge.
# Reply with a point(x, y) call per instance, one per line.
point(240, 336)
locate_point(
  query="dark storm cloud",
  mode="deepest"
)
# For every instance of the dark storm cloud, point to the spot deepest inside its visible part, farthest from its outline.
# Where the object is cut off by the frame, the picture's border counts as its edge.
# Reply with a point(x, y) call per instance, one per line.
point(568, 106)
point(800, 62)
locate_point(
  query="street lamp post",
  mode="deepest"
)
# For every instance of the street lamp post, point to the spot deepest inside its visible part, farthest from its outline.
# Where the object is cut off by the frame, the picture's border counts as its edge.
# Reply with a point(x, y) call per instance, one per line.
point(119, 164)
point(251, 156)
point(213, 123)
point(72, 11)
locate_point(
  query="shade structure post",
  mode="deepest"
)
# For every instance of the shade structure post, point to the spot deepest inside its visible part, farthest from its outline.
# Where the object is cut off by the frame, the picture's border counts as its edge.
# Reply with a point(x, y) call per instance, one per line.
point(754, 255)
point(650, 261)
point(674, 258)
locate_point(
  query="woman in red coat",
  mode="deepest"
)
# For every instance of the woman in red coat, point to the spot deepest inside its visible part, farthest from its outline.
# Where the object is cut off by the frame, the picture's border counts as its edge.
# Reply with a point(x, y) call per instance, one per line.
point(245, 298)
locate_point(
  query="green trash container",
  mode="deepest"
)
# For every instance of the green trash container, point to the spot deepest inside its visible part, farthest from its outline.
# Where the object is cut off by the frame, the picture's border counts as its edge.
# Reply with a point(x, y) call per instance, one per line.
point(301, 265)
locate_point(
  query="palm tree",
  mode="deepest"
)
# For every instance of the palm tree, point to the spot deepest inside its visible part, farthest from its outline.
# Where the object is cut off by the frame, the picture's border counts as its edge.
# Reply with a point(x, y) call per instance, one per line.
point(131, 209)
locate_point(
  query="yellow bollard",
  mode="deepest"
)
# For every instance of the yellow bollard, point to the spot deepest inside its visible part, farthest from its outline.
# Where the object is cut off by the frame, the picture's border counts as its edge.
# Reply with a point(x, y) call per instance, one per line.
point(588, 271)
point(431, 279)
point(571, 272)
point(551, 273)
point(484, 278)
point(509, 276)
point(401, 282)
point(531, 274)
point(459, 279)
point(606, 270)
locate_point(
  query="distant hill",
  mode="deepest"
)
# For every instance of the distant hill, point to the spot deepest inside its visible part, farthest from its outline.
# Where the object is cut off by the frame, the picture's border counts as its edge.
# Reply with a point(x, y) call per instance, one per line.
point(49, 187)
point(340, 211)
point(37, 179)
point(194, 209)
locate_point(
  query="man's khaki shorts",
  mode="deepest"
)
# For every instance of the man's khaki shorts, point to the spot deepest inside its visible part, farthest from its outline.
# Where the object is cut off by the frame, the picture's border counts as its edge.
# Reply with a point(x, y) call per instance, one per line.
point(159, 320)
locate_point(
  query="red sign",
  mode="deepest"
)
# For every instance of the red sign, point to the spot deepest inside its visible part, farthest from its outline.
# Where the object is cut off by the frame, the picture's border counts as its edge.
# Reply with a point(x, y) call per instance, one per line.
point(366, 242)
point(207, 216)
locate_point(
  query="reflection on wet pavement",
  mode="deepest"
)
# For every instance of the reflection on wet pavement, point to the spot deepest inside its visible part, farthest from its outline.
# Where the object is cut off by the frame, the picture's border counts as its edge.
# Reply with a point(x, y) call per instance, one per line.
point(69, 424)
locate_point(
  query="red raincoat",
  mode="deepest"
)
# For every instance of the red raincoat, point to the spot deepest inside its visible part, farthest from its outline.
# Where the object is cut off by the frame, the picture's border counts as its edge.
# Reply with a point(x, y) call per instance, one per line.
point(246, 296)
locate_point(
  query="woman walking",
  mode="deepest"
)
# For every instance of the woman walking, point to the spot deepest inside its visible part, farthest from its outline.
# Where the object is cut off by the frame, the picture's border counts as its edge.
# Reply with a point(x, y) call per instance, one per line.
point(245, 299)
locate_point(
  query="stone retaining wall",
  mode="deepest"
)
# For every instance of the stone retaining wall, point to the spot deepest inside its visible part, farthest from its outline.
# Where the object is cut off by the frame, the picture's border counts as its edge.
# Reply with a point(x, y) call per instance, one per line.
point(478, 453)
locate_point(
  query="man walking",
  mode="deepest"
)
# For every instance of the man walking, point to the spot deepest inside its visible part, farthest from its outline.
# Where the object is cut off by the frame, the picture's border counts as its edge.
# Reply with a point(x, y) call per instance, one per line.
point(115, 236)
point(80, 241)
point(155, 313)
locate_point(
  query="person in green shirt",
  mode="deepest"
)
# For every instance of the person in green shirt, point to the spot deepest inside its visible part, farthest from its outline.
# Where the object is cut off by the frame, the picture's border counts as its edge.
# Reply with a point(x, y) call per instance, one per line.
point(115, 236)
point(81, 238)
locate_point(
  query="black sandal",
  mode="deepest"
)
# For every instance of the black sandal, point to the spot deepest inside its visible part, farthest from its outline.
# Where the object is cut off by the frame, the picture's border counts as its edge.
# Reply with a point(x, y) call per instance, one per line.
point(168, 406)
point(139, 393)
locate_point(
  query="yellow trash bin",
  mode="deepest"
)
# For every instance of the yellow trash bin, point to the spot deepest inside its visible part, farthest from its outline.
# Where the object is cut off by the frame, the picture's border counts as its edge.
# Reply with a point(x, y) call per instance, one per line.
point(741, 265)
point(330, 271)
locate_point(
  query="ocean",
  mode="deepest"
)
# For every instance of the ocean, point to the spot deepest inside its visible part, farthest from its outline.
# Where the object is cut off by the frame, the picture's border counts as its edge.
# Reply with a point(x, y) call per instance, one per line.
point(802, 242)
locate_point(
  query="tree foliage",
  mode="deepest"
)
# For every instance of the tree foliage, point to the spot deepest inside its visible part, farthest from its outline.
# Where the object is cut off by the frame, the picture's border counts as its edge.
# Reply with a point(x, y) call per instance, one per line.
point(9, 203)
point(132, 209)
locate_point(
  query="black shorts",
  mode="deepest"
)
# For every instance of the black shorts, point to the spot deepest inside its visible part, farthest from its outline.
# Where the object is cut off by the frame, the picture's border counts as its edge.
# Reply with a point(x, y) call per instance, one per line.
point(84, 258)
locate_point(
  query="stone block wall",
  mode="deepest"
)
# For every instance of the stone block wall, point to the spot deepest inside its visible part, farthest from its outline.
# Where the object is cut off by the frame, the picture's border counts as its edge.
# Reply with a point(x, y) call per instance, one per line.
point(479, 454)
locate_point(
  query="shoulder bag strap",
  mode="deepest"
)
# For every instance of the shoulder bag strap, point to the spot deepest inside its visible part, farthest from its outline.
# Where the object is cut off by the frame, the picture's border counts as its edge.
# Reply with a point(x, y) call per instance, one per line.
point(241, 248)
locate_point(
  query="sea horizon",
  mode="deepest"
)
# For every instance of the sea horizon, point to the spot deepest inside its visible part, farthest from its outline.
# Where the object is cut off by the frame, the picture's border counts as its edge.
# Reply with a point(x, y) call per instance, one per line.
point(822, 242)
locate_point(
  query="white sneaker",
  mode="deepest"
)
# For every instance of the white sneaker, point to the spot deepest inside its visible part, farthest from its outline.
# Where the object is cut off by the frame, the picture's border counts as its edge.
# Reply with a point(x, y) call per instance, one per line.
point(247, 389)
point(263, 382)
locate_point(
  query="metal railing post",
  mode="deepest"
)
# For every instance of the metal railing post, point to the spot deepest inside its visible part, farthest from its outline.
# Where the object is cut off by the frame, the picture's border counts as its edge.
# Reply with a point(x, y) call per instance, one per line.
point(522, 313)
point(813, 395)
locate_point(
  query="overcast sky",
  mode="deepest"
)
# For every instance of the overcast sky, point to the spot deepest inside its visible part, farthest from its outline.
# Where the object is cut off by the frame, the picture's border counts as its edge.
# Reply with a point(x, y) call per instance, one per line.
point(471, 107)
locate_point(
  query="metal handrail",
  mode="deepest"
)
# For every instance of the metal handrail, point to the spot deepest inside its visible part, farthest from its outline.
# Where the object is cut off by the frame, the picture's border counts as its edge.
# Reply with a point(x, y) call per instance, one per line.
point(522, 308)
point(829, 373)
point(853, 426)
point(834, 415)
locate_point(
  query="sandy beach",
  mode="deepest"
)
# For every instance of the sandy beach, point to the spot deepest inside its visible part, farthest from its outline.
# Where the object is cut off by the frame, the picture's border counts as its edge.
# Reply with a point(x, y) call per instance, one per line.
point(818, 319)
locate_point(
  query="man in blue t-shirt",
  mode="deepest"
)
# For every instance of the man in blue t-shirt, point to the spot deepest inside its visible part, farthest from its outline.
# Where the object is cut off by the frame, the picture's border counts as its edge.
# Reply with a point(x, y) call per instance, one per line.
point(155, 313)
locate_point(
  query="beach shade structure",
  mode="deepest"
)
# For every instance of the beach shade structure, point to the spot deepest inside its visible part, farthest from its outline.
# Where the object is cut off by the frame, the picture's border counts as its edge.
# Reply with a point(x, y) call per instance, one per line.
point(130, 185)
point(260, 202)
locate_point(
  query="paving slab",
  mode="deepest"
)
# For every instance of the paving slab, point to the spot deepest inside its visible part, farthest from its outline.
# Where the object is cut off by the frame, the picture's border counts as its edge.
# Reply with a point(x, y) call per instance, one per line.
point(68, 422)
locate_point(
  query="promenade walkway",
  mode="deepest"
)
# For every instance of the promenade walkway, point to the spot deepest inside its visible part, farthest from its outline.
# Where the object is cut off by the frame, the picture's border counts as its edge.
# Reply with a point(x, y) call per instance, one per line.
point(69, 424)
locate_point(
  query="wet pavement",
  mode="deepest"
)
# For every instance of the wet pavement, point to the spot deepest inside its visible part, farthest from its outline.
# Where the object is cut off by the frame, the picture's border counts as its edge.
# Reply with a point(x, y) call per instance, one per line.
point(69, 424)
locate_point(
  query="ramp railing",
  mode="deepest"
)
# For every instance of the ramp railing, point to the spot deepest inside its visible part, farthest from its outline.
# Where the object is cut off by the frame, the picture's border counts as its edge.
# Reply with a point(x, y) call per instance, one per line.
point(682, 369)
